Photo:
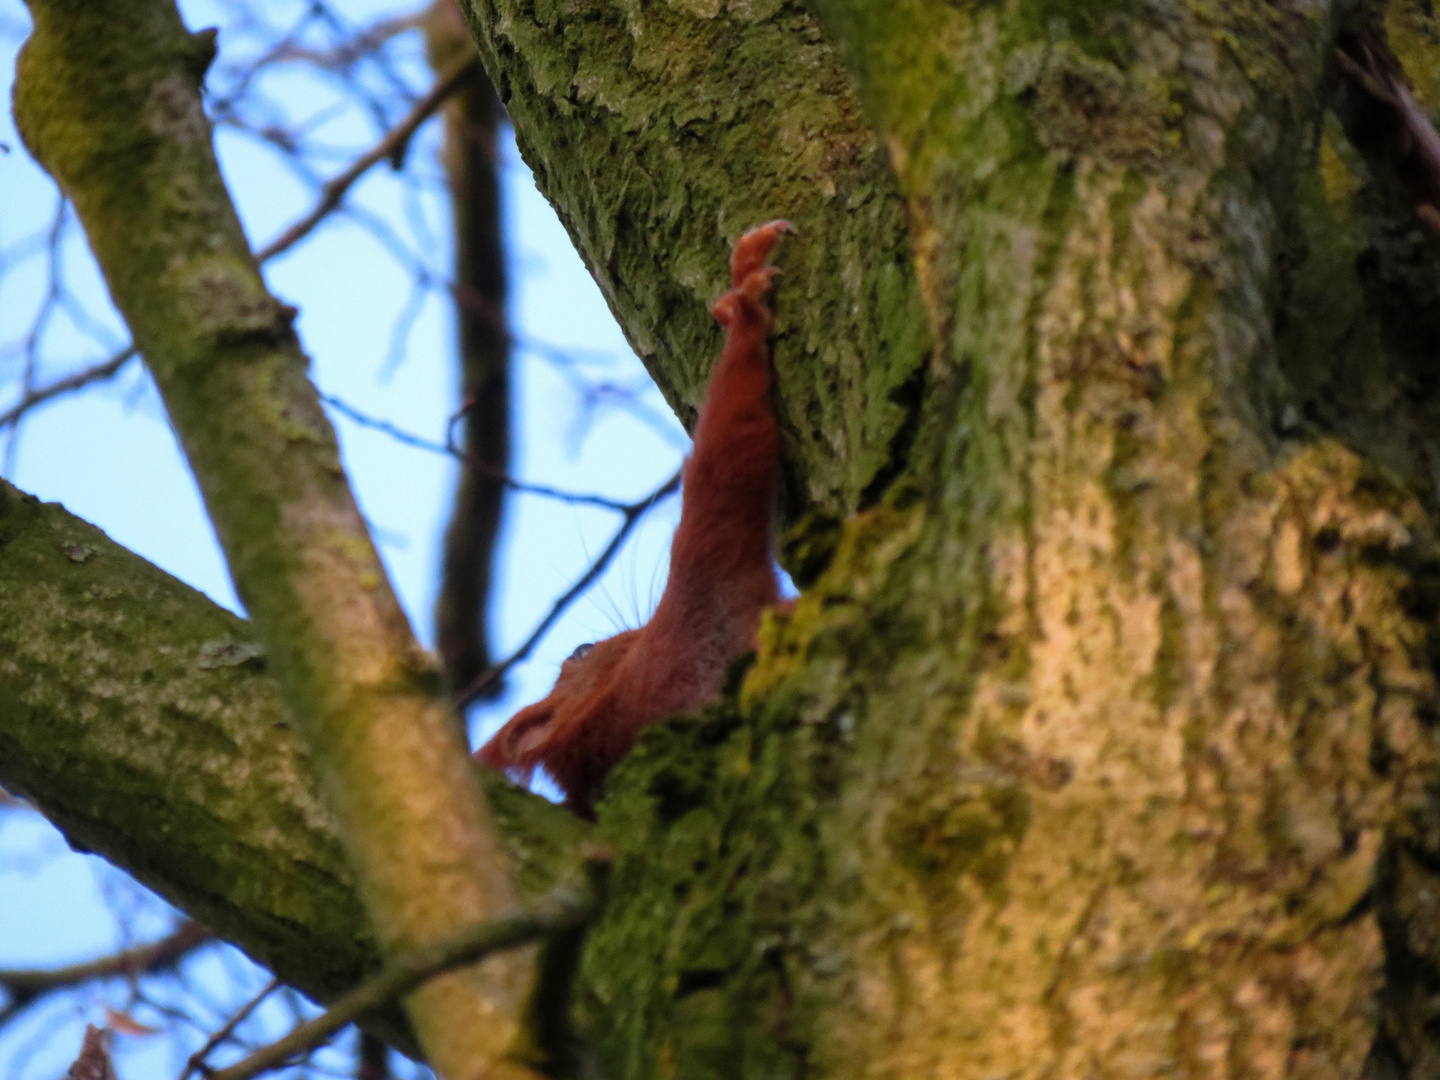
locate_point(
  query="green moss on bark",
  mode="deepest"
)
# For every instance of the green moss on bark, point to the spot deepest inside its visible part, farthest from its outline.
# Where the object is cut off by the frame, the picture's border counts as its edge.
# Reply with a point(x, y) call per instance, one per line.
point(107, 98)
point(1086, 720)
point(141, 719)
point(660, 133)
point(1104, 742)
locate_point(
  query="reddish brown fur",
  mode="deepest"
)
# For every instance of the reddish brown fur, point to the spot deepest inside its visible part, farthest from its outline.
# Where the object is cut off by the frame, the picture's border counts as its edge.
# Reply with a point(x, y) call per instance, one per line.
point(721, 573)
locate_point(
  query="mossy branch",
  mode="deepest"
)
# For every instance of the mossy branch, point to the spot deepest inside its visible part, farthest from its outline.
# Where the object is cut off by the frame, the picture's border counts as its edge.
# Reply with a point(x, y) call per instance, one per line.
point(141, 719)
point(107, 99)
point(660, 133)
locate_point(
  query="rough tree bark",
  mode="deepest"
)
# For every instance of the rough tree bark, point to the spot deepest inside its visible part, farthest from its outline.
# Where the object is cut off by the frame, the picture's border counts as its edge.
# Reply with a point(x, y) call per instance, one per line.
point(107, 99)
point(144, 721)
point(1102, 742)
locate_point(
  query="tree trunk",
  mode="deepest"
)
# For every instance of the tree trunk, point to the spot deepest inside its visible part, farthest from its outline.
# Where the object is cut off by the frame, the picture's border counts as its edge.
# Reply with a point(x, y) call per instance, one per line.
point(1102, 741)
point(1103, 745)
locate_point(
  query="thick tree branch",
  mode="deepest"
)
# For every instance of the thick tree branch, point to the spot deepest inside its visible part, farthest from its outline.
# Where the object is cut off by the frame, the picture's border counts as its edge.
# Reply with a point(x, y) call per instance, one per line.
point(660, 136)
point(143, 721)
point(110, 105)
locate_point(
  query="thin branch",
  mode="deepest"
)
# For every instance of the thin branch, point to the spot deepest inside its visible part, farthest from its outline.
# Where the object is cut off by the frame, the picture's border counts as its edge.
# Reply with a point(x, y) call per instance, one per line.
point(593, 395)
point(403, 325)
point(633, 513)
point(348, 52)
point(197, 1059)
point(332, 193)
point(38, 325)
point(1396, 122)
point(392, 146)
point(26, 985)
point(66, 385)
point(467, 562)
point(245, 76)
point(374, 1055)
point(562, 909)
point(451, 450)
point(93, 1061)
point(377, 57)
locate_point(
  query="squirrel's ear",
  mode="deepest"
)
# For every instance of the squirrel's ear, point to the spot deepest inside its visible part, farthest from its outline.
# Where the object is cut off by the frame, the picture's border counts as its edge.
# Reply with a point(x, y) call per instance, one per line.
point(530, 744)
point(519, 744)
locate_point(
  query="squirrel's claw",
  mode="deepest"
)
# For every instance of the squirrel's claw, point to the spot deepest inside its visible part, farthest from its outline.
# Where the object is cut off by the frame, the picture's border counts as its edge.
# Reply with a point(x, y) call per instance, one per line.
point(752, 249)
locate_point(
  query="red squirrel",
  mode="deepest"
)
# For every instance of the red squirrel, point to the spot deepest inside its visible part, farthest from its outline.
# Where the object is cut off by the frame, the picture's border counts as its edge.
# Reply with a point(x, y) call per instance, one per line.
point(721, 572)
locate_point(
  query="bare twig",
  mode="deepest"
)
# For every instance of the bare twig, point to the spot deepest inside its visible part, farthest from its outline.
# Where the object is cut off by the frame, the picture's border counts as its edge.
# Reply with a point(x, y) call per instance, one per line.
point(451, 450)
point(66, 385)
point(1392, 119)
point(562, 909)
point(47, 308)
point(197, 1059)
point(279, 42)
point(26, 985)
point(333, 193)
point(391, 146)
point(349, 51)
point(472, 124)
point(374, 1057)
point(93, 1062)
point(633, 513)
point(593, 395)
point(377, 57)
